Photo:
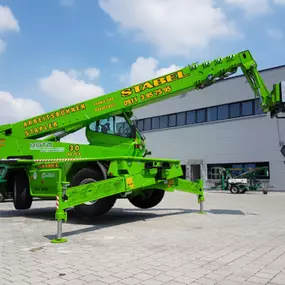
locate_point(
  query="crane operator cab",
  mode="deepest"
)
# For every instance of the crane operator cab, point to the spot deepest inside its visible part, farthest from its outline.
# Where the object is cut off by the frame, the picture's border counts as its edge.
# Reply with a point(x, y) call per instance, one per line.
point(118, 132)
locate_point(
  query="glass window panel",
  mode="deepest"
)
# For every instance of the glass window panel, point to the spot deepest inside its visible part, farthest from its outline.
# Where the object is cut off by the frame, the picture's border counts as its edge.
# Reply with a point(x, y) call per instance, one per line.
point(223, 112)
point(212, 113)
point(190, 117)
point(238, 169)
point(201, 116)
point(247, 108)
point(172, 120)
point(181, 119)
point(155, 123)
point(147, 124)
point(115, 125)
point(163, 122)
point(140, 125)
point(257, 107)
point(234, 110)
point(247, 166)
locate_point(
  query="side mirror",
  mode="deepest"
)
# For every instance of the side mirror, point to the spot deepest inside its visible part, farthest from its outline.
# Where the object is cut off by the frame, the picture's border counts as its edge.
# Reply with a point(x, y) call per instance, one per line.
point(283, 150)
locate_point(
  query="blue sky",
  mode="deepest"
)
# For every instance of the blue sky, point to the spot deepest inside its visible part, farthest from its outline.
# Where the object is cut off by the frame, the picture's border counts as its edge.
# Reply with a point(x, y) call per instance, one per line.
point(58, 40)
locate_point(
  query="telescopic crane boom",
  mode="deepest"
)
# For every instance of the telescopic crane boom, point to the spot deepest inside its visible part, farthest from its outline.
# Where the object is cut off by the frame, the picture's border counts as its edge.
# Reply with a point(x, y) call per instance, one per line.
point(72, 118)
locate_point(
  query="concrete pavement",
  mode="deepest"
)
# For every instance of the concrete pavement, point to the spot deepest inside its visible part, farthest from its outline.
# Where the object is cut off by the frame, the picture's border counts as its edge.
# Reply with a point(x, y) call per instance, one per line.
point(240, 240)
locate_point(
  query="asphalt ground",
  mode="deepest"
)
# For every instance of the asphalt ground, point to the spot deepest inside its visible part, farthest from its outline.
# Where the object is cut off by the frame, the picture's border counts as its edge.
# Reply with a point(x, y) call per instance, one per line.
point(239, 240)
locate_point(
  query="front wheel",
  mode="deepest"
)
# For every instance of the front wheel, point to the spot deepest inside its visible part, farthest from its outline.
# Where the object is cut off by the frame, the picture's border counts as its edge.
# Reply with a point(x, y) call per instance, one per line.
point(92, 208)
point(22, 198)
point(150, 198)
point(234, 189)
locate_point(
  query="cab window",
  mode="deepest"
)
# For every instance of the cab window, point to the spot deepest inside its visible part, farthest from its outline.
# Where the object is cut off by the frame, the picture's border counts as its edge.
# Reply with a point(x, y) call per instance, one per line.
point(115, 125)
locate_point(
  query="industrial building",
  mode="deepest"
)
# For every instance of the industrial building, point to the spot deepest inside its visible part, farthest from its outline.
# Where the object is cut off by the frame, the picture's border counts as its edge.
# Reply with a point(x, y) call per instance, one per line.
point(221, 125)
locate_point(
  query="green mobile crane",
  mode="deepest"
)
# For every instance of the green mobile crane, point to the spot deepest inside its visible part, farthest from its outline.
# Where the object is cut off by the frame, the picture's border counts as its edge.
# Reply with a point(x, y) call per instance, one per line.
point(90, 178)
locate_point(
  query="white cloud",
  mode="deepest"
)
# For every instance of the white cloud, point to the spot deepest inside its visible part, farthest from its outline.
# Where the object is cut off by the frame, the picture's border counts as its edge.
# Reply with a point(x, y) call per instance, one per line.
point(275, 34)
point(144, 69)
point(254, 7)
point(73, 73)
point(279, 2)
point(14, 109)
point(77, 137)
point(67, 3)
point(3, 46)
point(114, 59)
point(174, 27)
point(251, 7)
point(8, 22)
point(109, 34)
point(92, 73)
point(66, 88)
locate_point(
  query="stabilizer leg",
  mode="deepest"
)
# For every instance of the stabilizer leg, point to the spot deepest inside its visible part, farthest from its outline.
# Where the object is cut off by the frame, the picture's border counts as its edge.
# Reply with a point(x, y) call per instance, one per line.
point(69, 197)
point(61, 214)
point(201, 202)
point(194, 188)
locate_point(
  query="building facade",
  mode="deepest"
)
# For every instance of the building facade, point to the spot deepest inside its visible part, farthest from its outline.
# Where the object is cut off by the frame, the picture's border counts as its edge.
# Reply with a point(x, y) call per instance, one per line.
point(221, 125)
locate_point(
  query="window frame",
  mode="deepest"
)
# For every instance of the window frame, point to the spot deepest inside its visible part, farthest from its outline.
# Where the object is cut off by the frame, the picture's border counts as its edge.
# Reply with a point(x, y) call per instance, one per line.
point(214, 113)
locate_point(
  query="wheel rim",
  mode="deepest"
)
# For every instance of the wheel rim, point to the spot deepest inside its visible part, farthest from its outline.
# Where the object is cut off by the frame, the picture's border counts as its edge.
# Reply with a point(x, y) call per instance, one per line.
point(235, 189)
point(86, 181)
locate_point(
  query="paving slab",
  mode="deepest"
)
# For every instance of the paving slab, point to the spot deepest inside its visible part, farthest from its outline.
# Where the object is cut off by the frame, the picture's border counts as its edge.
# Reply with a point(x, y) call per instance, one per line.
point(240, 240)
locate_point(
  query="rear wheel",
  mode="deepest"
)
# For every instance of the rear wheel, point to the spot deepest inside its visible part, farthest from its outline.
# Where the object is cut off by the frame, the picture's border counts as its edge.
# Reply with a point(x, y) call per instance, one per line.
point(242, 189)
point(150, 199)
point(2, 197)
point(22, 198)
point(92, 208)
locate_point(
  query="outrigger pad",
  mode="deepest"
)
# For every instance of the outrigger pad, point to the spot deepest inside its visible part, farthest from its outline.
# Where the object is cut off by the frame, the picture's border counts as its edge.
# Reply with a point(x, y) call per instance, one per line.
point(60, 240)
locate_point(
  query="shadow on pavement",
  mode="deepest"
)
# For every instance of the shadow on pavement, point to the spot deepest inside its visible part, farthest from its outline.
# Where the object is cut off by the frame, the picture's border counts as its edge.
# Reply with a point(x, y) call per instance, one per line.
point(227, 192)
point(115, 217)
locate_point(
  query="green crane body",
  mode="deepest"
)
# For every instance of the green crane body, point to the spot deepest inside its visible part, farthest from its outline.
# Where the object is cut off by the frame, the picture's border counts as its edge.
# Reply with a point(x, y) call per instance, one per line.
point(34, 163)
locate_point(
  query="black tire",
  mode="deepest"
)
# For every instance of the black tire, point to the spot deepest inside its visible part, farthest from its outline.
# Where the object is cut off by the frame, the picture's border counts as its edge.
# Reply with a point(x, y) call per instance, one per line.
point(265, 191)
point(2, 197)
point(234, 189)
point(153, 198)
point(101, 206)
point(22, 198)
point(242, 189)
